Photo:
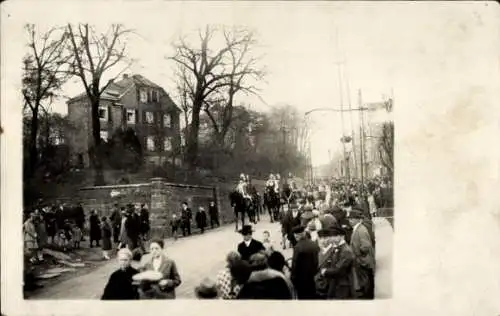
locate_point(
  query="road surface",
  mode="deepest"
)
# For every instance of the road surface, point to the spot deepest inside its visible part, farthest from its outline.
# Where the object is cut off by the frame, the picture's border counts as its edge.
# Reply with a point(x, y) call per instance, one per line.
point(202, 256)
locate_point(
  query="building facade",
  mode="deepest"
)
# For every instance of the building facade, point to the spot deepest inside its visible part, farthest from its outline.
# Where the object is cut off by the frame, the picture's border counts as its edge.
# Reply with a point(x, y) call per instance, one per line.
point(132, 102)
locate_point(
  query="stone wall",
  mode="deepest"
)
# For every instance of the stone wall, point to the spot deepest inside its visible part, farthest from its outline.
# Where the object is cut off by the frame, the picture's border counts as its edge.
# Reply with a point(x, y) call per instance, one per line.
point(163, 199)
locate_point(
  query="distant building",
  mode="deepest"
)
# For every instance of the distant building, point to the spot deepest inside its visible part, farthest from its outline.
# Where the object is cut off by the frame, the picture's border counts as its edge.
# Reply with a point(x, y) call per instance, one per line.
point(132, 102)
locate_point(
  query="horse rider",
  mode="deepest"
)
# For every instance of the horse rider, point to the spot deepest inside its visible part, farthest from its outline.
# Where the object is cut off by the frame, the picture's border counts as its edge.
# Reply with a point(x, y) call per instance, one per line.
point(271, 182)
point(277, 183)
point(242, 187)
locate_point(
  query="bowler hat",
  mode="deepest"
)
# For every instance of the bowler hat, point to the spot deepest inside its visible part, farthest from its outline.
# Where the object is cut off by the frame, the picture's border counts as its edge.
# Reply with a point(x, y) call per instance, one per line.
point(355, 214)
point(246, 230)
point(337, 231)
point(325, 232)
point(298, 229)
point(206, 289)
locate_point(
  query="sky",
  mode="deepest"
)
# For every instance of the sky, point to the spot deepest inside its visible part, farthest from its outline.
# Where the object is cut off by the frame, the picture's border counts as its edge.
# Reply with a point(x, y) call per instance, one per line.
point(300, 43)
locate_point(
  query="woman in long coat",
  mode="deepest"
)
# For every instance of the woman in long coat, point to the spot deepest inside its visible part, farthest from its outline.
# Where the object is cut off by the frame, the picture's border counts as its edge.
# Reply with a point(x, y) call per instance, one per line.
point(201, 219)
point(165, 288)
point(30, 237)
point(106, 237)
point(95, 229)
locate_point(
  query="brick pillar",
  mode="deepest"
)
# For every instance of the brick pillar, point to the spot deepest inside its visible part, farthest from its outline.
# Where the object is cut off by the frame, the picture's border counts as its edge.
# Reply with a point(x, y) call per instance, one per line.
point(158, 207)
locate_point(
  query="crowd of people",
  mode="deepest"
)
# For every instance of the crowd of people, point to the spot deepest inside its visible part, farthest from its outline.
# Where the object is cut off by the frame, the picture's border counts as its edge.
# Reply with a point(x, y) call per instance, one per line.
point(65, 227)
point(331, 232)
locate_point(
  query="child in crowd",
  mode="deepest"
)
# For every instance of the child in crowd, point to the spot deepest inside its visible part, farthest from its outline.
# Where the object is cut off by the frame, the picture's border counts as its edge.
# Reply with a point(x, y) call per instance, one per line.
point(76, 233)
point(175, 223)
point(266, 241)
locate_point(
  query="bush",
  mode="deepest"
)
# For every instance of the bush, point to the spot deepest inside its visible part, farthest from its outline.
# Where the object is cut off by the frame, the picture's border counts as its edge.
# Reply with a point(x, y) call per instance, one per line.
point(124, 151)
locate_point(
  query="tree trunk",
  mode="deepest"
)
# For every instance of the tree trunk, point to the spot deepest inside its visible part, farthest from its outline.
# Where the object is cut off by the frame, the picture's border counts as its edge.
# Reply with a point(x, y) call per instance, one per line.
point(192, 137)
point(96, 135)
point(33, 150)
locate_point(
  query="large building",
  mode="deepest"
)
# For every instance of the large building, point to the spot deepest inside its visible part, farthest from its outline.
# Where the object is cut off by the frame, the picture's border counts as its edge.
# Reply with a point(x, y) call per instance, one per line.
point(132, 102)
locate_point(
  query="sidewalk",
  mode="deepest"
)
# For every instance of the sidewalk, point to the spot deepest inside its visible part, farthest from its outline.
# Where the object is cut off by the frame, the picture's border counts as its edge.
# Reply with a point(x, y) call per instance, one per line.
point(383, 276)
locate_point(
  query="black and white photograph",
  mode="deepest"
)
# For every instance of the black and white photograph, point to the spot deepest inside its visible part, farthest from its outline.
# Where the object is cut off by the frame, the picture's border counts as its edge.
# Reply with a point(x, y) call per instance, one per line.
point(216, 151)
point(141, 149)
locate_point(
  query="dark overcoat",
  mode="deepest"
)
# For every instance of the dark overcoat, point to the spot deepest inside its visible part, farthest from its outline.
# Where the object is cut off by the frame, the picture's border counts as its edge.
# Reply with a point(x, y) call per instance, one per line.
point(119, 286)
point(254, 247)
point(339, 278)
point(304, 268)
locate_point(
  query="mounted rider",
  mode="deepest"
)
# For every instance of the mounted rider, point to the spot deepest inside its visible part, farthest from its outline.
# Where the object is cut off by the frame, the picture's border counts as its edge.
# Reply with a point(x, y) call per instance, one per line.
point(271, 183)
point(242, 186)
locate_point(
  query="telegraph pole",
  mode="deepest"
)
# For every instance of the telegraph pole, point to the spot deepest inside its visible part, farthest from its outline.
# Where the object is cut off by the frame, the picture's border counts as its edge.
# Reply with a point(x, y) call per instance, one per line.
point(346, 166)
point(346, 163)
point(352, 125)
point(361, 141)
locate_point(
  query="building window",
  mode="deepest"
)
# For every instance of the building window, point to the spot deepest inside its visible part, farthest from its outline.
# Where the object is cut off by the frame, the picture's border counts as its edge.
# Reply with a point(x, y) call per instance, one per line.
point(103, 113)
point(104, 135)
point(150, 118)
point(153, 95)
point(143, 95)
point(150, 143)
point(167, 144)
point(166, 120)
point(131, 119)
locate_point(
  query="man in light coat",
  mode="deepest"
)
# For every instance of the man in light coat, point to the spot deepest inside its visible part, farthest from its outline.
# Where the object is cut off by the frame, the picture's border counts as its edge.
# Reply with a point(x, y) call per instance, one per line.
point(364, 252)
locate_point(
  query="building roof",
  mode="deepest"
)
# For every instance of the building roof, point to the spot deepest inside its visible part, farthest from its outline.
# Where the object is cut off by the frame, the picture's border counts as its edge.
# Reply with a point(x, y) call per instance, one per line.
point(117, 89)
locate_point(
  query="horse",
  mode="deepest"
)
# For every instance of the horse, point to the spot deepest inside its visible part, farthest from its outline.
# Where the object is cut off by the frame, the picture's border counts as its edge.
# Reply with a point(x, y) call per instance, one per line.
point(272, 203)
point(255, 205)
point(241, 206)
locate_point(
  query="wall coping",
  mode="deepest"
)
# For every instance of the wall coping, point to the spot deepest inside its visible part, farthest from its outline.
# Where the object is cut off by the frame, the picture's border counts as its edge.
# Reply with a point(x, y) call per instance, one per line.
point(117, 186)
point(137, 185)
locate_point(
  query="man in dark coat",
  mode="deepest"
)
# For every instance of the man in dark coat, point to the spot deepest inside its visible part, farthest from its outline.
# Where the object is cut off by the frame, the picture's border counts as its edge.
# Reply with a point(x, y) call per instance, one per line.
point(186, 216)
point(201, 219)
point(213, 212)
point(116, 221)
point(291, 219)
point(304, 265)
point(341, 217)
point(249, 246)
point(335, 275)
point(95, 229)
point(362, 247)
point(144, 222)
point(132, 228)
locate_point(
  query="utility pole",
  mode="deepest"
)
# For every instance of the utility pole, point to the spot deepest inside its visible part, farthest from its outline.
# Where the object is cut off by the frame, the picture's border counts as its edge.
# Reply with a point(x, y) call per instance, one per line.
point(352, 125)
point(361, 141)
point(346, 166)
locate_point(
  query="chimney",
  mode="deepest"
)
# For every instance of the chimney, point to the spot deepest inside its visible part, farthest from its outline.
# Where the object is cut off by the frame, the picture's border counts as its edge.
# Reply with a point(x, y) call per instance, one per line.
point(125, 76)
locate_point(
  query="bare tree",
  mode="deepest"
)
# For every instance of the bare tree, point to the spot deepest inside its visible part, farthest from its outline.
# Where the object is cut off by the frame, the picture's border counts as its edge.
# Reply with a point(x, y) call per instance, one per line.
point(386, 147)
point(241, 67)
point(184, 97)
point(214, 75)
point(93, 56)
point(43, 77)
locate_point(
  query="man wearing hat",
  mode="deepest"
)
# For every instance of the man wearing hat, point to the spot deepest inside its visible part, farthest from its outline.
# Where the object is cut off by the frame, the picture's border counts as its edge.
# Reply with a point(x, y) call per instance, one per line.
point(186, 216)
point(304, 265)
point(334, 279)
point(362, 247)
point(249, 246)
point(291, 219)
